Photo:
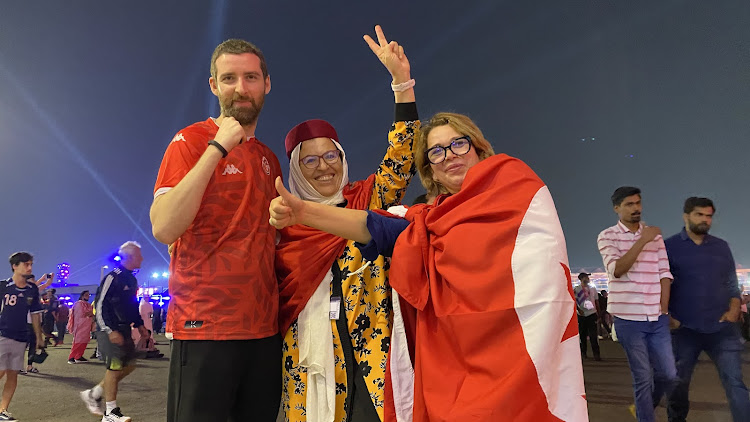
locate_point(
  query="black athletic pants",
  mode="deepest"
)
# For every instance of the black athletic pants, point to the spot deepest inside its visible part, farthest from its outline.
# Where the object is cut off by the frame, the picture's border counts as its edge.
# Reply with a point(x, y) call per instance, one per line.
point(587, 328)
point(224, 381)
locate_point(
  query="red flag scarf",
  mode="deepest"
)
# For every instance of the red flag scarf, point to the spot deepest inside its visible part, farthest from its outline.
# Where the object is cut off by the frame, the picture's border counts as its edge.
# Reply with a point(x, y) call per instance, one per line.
point(480, 355)
point(304, 255)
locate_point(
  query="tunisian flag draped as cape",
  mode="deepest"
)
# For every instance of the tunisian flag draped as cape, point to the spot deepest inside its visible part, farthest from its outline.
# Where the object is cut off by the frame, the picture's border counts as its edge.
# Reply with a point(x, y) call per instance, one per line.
point(495, 336)
point(304, 255)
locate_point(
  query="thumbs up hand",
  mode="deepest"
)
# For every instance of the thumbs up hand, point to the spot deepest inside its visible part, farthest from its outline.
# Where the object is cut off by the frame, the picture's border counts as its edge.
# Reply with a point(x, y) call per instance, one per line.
point(286, 209)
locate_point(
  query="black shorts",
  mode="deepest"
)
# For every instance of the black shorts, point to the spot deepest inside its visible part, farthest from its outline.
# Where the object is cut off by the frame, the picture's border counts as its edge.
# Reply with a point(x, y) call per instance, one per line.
point(116, 357)
point(232, 380)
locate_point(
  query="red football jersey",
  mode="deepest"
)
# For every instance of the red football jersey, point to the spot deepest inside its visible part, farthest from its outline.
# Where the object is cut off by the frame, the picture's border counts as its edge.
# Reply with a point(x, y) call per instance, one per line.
point(222, 282)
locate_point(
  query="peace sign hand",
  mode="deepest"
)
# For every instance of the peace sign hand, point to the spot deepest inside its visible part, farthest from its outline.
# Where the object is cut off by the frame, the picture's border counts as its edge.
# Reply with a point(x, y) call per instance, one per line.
point(391, 54)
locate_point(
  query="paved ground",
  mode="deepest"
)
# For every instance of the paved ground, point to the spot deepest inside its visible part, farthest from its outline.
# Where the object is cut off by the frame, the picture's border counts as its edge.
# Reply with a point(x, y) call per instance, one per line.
point(609, 389)
point(52, 395)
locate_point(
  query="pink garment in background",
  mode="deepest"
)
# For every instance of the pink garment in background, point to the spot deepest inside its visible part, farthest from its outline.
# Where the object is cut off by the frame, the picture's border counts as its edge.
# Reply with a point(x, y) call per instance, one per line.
point(80, 325)
point(80, 322)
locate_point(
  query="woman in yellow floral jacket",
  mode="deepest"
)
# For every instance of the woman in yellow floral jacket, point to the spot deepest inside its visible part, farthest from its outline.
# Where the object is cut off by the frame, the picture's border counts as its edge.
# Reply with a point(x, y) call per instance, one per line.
point(327, 291)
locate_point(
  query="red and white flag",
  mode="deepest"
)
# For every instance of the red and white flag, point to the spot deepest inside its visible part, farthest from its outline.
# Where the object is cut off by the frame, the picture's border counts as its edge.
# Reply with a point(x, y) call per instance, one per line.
point(489, 329)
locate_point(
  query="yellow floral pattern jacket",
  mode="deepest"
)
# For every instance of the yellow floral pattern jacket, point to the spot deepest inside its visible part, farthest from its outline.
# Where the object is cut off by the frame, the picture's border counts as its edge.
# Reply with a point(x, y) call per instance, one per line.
point(366, 296)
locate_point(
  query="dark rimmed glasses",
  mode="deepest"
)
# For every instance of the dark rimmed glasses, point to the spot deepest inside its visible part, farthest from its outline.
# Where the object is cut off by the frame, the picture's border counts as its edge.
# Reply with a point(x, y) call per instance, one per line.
point(458, 146)
point(312, 161)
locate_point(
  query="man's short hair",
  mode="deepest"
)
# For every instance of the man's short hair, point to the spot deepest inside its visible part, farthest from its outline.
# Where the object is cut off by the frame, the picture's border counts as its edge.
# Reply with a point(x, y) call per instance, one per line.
point(237, 46)
point(623, 192)
point(20, 257)
point(694, 202)
point(127, 247)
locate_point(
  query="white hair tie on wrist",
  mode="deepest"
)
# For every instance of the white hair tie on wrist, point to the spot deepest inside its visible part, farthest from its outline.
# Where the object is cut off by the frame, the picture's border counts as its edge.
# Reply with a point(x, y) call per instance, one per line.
point(403, 86)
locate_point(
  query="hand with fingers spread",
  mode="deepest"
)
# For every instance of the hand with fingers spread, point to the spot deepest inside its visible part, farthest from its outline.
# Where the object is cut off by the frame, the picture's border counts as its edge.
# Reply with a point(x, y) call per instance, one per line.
point(286, 209)
point(391, 54)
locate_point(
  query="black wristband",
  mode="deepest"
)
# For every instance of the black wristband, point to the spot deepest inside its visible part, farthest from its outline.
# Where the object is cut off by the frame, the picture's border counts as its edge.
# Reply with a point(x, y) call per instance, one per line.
point(218, 145)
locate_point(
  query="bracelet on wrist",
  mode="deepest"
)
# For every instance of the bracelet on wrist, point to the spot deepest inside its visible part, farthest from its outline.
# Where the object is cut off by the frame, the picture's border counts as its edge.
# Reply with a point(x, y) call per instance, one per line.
point(224, 152)
point(403, 86)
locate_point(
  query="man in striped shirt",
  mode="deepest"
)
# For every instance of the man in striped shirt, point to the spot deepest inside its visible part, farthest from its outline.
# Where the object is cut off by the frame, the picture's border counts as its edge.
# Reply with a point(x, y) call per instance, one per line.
point(639, 284)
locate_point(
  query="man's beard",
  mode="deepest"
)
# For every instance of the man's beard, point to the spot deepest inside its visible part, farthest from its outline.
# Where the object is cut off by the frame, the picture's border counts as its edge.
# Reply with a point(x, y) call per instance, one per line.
point(246, 115)
point(635, 218)
point(700, 228)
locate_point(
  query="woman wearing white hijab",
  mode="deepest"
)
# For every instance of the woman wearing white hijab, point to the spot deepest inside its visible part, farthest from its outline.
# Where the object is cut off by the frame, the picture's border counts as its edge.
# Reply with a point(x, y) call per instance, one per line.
point(335, 307)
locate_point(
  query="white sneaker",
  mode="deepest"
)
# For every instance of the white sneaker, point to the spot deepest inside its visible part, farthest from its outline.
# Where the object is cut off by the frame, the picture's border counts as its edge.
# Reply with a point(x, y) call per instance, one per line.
point(95, 406)
point(115, 416)
point(6, 416)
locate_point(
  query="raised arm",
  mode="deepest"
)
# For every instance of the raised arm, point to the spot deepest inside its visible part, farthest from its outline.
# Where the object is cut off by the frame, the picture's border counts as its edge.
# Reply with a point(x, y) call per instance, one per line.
point(397, 167)
point(46, 281)
point(287, 210)
point(174, 211)
point(391, 54)
point(617, 265)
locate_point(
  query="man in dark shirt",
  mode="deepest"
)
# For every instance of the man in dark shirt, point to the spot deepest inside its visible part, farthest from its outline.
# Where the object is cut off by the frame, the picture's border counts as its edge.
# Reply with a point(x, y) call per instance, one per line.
point(19, 299)
point(116, 308)
point(704, 306)
point(49, 318)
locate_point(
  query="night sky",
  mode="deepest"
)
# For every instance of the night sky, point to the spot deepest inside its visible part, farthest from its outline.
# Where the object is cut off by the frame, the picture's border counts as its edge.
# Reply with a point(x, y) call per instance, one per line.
point(591, 94)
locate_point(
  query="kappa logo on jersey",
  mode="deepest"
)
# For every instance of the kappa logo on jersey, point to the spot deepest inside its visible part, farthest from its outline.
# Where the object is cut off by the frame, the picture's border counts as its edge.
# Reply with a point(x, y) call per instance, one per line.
point(179, 137)
point(231, 169)
point(266, 166)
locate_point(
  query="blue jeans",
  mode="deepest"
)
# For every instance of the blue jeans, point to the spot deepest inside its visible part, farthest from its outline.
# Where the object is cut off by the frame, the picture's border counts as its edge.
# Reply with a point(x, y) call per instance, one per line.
point(648, 347)
point(725, 349)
